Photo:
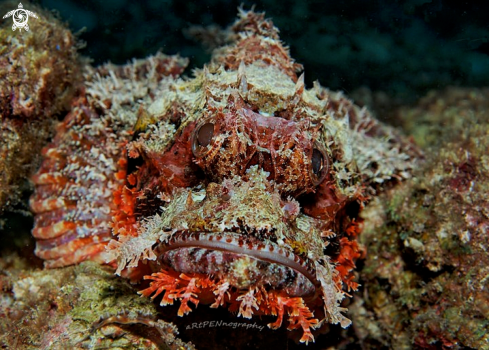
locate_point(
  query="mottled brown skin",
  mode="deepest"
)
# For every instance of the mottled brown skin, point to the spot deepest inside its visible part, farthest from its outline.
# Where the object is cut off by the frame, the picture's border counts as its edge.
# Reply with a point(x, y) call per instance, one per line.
point(238, 187)
point(258, 140)
point(71, 226)
point(164, 172)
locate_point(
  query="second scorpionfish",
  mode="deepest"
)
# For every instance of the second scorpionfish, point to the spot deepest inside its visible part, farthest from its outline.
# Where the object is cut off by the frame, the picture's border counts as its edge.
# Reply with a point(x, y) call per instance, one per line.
point(237, 188)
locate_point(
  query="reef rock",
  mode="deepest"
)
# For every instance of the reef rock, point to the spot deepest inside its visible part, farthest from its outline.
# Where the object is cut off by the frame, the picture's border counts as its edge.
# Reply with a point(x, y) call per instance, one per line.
point(39, 73)
point(78, 307)
point(426, 274)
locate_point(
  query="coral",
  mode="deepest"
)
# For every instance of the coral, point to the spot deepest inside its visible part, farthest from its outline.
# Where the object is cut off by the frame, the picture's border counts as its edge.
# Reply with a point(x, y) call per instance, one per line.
point(78, 307)
point(426, 272)
point(39, 73)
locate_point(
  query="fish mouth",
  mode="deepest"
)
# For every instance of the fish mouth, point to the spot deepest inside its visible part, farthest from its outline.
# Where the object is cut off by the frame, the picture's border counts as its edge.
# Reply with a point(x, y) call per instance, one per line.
point(243, 261)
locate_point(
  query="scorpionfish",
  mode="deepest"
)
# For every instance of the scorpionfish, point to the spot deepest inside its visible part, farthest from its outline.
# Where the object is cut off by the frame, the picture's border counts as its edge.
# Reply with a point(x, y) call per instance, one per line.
point(237, 187)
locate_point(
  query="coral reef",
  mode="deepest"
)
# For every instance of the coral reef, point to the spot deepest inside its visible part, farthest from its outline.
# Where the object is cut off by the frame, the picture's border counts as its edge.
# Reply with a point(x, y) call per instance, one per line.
point(426, 273)
point(39, 73)
point(238, 187)
point(78, 307)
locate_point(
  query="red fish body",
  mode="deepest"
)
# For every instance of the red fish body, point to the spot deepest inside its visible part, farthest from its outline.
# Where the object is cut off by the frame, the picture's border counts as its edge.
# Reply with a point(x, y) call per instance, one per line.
point(238, 187)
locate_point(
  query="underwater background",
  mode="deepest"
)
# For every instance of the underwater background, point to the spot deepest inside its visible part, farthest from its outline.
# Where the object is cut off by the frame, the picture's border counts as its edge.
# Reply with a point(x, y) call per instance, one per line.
point(420, 66)
point(403, 48)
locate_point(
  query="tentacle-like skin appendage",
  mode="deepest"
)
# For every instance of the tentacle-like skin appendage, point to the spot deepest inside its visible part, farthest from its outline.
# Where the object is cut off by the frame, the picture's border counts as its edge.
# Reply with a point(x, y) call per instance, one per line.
point(190, 287)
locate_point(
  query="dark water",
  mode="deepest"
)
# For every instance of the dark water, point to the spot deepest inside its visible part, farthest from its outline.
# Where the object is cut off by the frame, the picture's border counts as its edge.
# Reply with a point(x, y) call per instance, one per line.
point(402, 48)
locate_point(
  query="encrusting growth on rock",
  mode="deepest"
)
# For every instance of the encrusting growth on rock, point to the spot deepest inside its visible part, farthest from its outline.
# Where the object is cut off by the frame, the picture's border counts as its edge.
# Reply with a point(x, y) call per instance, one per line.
point(426, 272)
point(39, 73)
point(77, 307)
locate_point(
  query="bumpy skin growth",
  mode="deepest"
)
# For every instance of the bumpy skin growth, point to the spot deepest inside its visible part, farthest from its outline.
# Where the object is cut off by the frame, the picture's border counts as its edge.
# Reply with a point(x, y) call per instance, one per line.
point(39, 73)
point(238, 188)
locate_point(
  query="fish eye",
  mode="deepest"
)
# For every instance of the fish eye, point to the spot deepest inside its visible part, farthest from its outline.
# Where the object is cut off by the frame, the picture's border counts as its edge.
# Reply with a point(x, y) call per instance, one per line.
point(317, 161)
point(202, 137)
point(319, 164)
point(204, 134)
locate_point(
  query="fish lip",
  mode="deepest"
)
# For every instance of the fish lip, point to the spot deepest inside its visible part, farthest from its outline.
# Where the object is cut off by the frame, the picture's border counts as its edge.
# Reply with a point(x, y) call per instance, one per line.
point(244, 245)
